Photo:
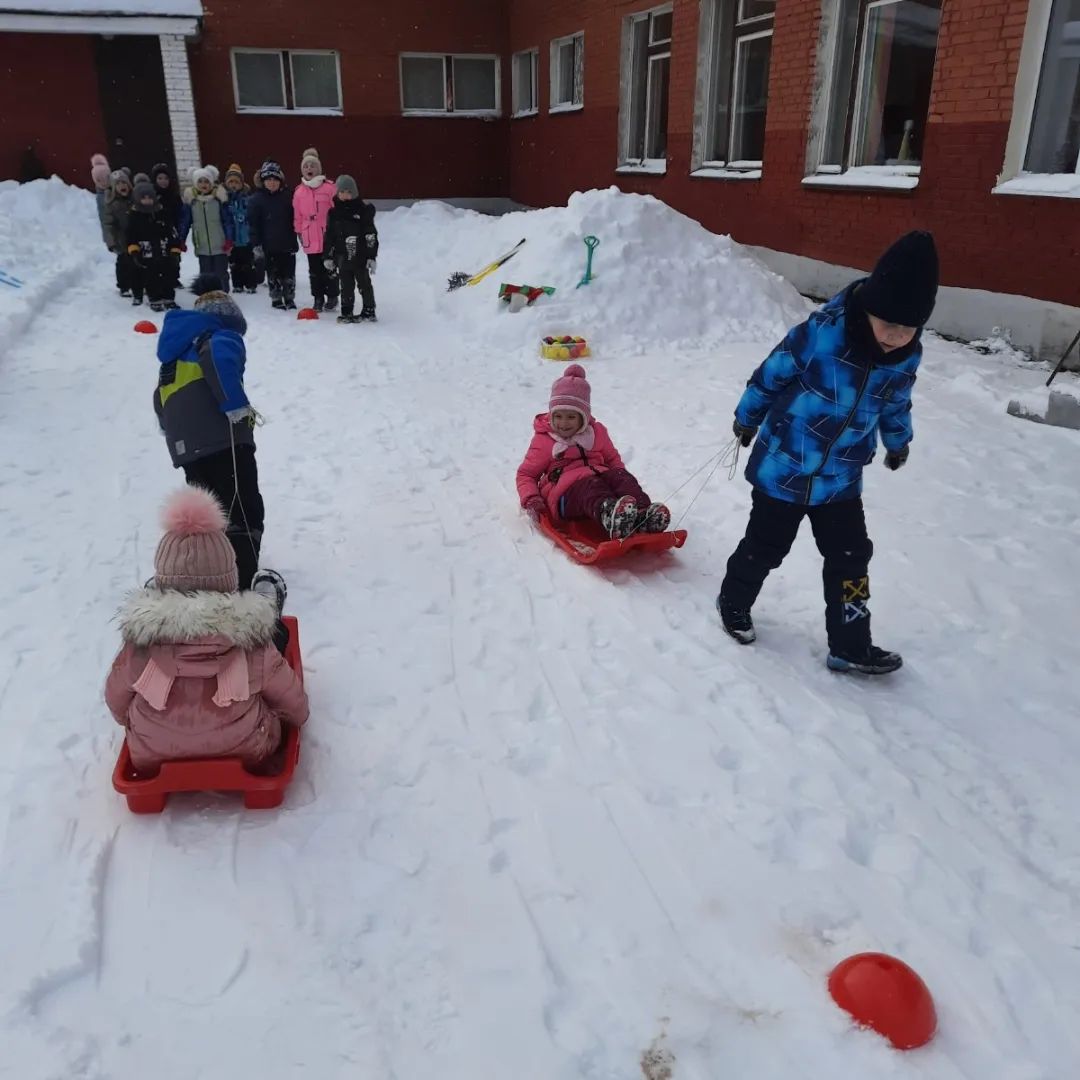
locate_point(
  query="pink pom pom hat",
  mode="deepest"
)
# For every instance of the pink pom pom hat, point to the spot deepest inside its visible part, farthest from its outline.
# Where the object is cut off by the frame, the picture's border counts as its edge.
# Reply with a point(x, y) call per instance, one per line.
point(571, 391)
point(195, 554)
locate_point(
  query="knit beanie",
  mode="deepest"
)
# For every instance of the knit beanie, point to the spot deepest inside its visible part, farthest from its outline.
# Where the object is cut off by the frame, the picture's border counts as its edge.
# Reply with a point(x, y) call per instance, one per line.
point(213, 171)
point(161, 169)
point(903, 287)
point(144, 188)
point(271, 170)
point(311, 154)
point(347, 183)
point(212, 300)
point(118, 176)
point(99, 171)
point(141, 178)
point(195, 554)
point(234, 170)
point(202, 174)
point(571, 391)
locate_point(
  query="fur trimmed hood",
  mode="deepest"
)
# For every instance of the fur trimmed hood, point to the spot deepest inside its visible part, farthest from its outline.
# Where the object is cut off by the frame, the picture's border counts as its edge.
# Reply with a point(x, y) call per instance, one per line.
point(167, 617)
point(189, 195)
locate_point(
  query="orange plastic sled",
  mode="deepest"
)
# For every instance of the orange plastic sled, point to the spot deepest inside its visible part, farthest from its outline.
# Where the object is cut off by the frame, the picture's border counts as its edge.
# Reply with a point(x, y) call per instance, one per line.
point(585, 542)
point(148, 795)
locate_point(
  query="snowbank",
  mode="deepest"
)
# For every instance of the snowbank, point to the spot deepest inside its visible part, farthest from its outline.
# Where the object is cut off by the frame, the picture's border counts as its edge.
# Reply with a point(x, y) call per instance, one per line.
point(661, 280)
point(49, 236)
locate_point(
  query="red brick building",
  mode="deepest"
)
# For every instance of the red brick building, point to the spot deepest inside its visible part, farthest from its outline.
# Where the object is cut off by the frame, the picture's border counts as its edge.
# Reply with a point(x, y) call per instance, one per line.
point(815, 130)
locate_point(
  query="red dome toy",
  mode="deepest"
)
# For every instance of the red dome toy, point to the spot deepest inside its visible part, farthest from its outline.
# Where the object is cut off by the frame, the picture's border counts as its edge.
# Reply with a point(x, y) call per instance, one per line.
point(307, 313)
point(884, 994)
point(145, 327)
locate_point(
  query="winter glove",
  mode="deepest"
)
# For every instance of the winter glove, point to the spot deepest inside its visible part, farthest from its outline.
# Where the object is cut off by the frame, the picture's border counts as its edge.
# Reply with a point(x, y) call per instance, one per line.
point(227, 247)
point(536, 508)
point(745, 435)
point(183, 247)
point(370, 239)
point(895, 458)
point(236, 415)
point(257, 251)
point(371, 267)
point(329, 264)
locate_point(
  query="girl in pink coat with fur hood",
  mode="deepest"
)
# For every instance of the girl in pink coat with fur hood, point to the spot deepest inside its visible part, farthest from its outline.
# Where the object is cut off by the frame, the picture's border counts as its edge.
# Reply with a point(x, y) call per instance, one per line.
point(198, 674)
point(313, 199)
point(573, 471)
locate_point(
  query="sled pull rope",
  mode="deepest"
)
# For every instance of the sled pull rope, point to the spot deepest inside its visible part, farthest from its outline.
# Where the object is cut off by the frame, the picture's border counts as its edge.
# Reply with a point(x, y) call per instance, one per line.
point(256, 419)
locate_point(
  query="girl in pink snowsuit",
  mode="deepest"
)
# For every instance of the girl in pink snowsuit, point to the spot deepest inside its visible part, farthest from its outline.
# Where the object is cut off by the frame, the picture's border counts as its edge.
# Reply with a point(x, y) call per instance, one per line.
point(313, 199)
point(198, 674)
point(572, 469)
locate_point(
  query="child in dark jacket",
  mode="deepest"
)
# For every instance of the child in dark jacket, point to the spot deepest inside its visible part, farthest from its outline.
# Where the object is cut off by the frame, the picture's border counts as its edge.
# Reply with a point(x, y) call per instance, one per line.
point(241, 258)
point(352, 246)
point(114, 221)
point(168, 193)
point(572, 470)
point(205, 415)
point(154, 247)
point(819, 400)
point(270, 218)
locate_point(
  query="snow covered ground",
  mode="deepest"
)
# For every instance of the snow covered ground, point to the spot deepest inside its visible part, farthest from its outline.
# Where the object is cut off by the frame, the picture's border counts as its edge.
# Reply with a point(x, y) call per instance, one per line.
point(547, 819)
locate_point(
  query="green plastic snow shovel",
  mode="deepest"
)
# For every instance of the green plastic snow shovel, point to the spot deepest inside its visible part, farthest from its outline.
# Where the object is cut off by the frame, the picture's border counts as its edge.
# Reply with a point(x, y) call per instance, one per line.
point(592, 243)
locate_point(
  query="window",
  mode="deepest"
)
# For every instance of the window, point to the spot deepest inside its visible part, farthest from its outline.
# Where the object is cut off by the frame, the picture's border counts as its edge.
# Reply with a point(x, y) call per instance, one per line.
point(465, 85)
point(524, 82)
point(734, 52)
point(878, 85)
point(1054, 143)
point(647, 64)
point(568, 73)
point(282, 80)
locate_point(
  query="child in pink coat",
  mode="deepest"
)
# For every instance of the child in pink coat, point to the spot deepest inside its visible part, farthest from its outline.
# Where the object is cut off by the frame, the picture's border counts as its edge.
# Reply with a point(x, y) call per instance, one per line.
point(572, 469)
point(198, 674)
point(313, 199)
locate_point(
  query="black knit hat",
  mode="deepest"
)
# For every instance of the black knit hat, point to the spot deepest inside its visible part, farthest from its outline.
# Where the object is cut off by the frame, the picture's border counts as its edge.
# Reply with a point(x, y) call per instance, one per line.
point(904, 284)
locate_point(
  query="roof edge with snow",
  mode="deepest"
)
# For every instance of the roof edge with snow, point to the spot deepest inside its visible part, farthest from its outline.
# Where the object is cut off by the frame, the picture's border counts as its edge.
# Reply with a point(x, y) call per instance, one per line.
point(101, 16)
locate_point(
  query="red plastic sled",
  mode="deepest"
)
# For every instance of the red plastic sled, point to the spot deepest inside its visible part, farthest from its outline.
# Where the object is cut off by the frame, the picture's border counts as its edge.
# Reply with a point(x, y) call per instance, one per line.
point(148, 796)
point(586, 542)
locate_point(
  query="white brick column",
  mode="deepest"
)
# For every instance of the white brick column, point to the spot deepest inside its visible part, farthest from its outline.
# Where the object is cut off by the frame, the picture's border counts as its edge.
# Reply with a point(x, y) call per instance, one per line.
point(174, 59)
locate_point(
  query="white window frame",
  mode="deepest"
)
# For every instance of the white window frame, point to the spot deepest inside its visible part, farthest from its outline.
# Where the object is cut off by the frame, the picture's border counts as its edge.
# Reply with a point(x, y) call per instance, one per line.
point(286, 109)
point(519, 112)
point(716, 20)
point(819, 174)
point(1014, 179)
point(448, 75)
point(578, 101)
point(628, 163)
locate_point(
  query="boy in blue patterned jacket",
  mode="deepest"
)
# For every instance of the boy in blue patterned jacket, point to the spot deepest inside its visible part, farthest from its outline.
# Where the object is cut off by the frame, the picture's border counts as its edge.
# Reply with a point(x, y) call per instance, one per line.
point(816, 405)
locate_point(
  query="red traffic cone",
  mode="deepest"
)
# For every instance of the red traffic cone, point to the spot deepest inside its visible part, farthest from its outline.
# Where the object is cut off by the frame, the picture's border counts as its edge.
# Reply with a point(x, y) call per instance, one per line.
point(884, 994)
point(145, 327)
point(307, 313)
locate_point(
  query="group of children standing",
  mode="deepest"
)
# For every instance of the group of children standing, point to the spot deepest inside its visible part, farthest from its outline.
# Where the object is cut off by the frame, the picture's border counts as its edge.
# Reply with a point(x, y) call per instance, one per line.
point(248, 236)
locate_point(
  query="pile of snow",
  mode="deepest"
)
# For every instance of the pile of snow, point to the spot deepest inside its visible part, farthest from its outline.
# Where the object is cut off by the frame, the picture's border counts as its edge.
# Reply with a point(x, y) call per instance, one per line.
point(661, 280)
point(49, 236)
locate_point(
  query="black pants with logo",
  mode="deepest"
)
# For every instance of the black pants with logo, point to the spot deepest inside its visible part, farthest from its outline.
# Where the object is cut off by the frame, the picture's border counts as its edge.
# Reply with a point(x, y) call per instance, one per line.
point(840, 533)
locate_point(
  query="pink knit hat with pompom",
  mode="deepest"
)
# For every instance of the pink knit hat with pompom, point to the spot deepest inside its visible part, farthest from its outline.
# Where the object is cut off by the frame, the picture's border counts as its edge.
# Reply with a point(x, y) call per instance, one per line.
point(571, 391)
point(195, 554)
point(99, 171)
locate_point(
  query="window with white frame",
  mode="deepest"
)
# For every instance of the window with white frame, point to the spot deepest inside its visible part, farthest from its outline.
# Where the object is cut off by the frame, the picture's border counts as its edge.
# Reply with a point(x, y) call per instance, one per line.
point(452, 83)
point(523, 77)
point(734, 53)
point(647, 67)
point(567, 73)
point(286, 80)
point(879, 78)
point(1054, 142)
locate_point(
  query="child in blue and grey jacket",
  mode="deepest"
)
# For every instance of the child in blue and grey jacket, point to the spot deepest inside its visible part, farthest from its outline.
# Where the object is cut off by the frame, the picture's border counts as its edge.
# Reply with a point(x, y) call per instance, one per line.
point(816, 406)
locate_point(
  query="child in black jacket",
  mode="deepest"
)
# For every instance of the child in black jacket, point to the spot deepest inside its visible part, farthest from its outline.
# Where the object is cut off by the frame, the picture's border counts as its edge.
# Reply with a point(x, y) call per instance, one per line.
point(352, 246)
point(153, 246)
point(270, 219)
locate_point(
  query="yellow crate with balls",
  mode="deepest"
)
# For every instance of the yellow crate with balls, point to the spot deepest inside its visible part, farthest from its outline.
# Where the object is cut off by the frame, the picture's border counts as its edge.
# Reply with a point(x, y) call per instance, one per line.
point(564, 347)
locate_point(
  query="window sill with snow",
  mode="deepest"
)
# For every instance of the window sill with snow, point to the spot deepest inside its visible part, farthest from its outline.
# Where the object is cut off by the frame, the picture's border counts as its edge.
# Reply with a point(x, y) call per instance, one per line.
point(555, 109)
point(875, 177)
point(1047, 185)
point(649, 167)
point(289, 112)
point(714, 170)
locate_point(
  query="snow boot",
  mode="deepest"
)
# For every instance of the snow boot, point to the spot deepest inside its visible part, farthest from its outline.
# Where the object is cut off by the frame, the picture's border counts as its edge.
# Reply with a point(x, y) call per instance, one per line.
point(125, 293)
point(655, 519)
point(288, 293)
point(619, 516)
point(136, 301)
point(874, 661)
point(348, 317)
point(251, 289)
point(278, 303)
point(319, 304)
point(157, 305)
point(271, 584)
point(331, 303)
point(737, 622)
point(171, 305)
point(368, 315)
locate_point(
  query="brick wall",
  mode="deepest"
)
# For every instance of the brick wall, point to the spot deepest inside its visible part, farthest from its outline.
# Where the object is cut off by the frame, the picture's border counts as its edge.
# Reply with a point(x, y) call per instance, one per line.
point(391, 155)
point(1013, 244)
point(185, 135)
point(49, 100)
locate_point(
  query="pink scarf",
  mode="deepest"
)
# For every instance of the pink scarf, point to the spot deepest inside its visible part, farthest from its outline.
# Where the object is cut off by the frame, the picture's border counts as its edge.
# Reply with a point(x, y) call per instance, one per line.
point(585, 438)
point(157, 678)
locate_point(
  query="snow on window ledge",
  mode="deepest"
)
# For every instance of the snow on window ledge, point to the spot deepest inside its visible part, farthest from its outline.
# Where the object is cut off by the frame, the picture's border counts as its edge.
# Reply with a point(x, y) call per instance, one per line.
point(648, 167)
point(566, 107)
point(447, 114)
point(883, 177)
point(1050, 185)
point(289, 112)
point(522, 113)
point(725, 172)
